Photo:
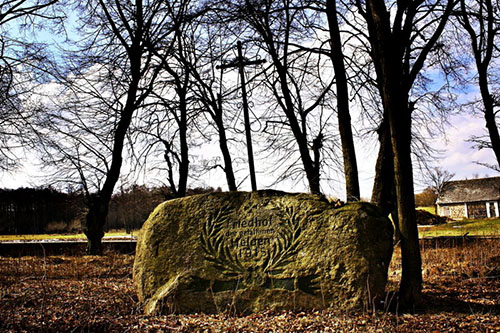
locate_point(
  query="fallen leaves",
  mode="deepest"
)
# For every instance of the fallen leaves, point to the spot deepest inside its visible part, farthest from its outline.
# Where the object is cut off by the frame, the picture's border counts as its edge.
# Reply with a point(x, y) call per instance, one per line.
point(96, 294)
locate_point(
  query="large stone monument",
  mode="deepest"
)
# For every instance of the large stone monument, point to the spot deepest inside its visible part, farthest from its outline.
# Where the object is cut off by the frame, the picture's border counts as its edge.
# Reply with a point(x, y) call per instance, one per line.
point(252, 251)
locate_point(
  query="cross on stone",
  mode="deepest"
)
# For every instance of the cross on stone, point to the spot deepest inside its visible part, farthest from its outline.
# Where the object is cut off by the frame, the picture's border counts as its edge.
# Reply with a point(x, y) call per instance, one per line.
point(241, 62)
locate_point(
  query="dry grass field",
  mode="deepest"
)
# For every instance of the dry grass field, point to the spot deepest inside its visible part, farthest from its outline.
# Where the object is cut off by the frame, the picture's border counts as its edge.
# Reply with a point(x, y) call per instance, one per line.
point(95, 294)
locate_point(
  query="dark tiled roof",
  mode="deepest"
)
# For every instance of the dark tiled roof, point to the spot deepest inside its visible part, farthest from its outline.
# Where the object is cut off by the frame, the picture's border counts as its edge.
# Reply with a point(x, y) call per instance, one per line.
point(482, 189)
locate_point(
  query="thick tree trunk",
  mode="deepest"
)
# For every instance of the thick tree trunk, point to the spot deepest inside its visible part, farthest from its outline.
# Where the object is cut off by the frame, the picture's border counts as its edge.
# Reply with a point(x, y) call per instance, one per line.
point(344, 117)
point(387, 54)
point(399, 117)
point(383, 194)
point(94, 223)
point(411, 280)
point(99, 203)
point(384, 189)
point(312, 173)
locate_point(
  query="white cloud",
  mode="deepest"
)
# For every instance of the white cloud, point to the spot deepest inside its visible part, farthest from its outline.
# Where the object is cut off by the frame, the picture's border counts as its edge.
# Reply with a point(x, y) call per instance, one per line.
point(459, 155)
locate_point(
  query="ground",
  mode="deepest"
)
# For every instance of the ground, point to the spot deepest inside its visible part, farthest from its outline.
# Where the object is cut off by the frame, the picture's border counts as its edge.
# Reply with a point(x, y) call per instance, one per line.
point(89, 293)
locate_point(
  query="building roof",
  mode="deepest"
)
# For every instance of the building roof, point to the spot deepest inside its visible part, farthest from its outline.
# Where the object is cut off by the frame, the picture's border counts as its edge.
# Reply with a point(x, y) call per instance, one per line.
point(471, 190)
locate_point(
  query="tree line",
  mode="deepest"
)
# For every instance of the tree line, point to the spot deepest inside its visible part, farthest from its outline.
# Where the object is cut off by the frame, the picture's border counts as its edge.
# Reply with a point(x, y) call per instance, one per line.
point(32, 211)
point(47, 210)
point(139, 87)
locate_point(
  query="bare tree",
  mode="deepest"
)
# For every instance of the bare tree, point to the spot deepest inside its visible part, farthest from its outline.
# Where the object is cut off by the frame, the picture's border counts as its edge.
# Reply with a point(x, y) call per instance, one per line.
point(199, 47)
point(23, 62)
point(180, 114)
point(112, 75)
point(207, 48)
point(166, 120)
point(480, 20)
point(438, 178)
point(401, 37)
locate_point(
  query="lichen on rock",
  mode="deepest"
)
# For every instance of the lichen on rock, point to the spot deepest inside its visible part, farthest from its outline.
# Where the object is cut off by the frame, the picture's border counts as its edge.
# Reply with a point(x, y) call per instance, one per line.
point(264, 250)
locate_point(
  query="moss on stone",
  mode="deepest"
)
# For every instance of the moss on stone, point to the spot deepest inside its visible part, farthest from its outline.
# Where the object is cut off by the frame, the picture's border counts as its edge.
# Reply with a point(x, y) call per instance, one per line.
point(251, 251)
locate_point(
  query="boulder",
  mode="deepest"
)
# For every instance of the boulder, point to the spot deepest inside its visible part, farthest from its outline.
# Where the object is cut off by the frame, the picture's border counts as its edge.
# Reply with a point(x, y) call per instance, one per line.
point(264, 250)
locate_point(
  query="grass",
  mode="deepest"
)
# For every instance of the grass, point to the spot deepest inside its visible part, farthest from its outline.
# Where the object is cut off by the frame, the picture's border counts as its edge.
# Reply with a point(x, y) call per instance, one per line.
point(81, 236)
point(484, 227)
point(96, 294)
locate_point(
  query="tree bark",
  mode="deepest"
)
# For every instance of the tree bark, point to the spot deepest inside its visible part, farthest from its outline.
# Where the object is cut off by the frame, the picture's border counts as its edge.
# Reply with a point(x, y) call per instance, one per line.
point(383, 193)
point(343, 114)
point(226, 155)
point(184, 160)
point(489, 112)
point(411, 280)
point(384, 190)
point(94, 223)
point(387, 50)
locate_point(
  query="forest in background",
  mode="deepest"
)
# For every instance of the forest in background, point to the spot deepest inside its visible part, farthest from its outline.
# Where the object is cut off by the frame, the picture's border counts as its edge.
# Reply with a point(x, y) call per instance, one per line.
point(46, 210)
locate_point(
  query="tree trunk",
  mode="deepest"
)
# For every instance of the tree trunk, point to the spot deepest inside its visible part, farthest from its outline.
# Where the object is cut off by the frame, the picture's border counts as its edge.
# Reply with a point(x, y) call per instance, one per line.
point(384, 190)
point(483, 43)
point(383, 193)
point(170, 167)
point(410, 288)
point(344, 117)
point(226, 155)
point(399, 117)
point(387, 54)
point(489, 112)
point(184, 161)
point(228, 164)
point(312, 174)
point(182, 82)
point(312, 171)
point(94, 223)
point(280, 63)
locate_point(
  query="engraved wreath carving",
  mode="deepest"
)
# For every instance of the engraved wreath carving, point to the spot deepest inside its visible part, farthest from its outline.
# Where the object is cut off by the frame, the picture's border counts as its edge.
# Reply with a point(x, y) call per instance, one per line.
point(284, 246)
point(212, 243)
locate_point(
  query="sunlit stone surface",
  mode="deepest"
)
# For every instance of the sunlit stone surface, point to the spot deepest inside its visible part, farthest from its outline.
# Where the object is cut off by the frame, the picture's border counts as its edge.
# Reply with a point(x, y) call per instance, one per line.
point(265, 250)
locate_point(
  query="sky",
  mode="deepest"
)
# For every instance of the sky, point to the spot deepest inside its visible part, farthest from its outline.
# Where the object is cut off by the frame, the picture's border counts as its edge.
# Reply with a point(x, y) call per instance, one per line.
point(458, 156)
